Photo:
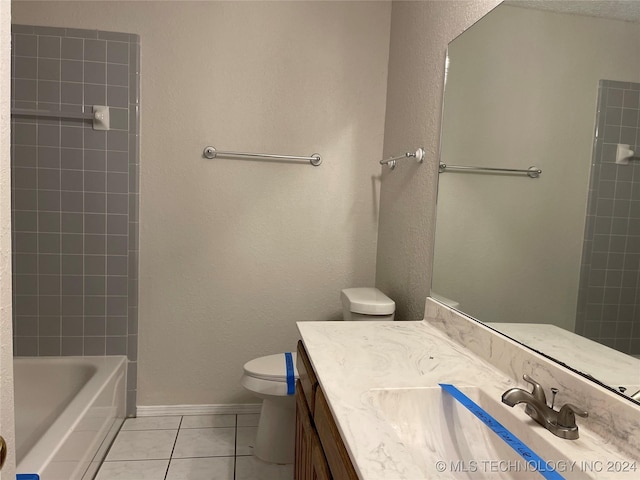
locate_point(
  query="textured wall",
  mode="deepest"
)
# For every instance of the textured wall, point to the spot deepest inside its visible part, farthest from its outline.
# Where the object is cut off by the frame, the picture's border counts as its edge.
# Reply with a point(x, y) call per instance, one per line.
point(420, 32)
point(233, 252)
point(6, 343)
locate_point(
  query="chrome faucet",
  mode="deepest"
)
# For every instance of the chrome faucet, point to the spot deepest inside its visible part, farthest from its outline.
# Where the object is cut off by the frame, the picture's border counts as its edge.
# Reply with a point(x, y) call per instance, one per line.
point(561, 423)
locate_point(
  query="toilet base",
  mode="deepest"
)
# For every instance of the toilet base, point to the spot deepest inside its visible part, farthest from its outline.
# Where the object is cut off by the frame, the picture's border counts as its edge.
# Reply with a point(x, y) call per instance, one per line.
point(275, 439)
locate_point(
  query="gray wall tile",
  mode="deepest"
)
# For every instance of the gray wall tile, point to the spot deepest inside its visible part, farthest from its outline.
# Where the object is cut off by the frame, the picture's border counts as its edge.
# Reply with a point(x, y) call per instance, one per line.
point(25, 45)
point(72, 346)
point(49, 46)
point(72, 264)
point(72, 326)
point(72, 284)
point(95, 202)
point(610, 270)
point(27, 326)
point(71, 93)
point(95, 326)
point(24, 89)
point(72, 305)
point(95, 50)
point(25, 67)
point(118, 96)
point(75, 203)
point(95, 285)
point(95, 160)
point(48, 69)
point(48, 157)
point(72, 49)
point(118, 52)
point(95, 264)
point(95, 95)
point(71, 71)
point(95, 346)
point(95, 72)
point(117, 75)
point(116, 345)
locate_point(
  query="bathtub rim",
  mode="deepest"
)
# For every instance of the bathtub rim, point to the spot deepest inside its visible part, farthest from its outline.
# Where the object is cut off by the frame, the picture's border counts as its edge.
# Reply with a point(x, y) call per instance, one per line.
point(58, 433)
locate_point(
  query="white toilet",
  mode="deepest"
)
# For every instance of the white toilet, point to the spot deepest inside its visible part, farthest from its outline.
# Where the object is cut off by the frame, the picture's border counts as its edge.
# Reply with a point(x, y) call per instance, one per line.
point(272, 378)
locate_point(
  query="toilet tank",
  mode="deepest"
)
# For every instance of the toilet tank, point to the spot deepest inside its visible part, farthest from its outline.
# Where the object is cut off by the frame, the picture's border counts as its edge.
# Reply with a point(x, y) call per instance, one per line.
point(366, 303)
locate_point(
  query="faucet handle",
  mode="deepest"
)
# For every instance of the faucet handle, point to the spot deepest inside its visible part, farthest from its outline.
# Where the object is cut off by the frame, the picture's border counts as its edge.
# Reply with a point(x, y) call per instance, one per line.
point(566, 415)
point(538, 391)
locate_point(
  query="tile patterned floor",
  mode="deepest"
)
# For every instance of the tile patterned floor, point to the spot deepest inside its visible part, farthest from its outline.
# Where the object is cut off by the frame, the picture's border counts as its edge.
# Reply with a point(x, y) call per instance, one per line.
point(194, 447)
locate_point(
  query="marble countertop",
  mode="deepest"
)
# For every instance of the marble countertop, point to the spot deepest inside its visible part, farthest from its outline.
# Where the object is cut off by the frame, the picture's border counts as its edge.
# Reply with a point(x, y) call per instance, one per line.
point(352, 358)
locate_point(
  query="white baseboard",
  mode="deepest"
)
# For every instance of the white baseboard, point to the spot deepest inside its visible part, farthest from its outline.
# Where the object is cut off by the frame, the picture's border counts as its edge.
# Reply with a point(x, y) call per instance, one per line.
point(229, 409)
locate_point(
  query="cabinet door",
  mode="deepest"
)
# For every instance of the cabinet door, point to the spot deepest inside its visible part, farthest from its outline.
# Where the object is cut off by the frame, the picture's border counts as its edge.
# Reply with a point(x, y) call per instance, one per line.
point(310, 462)
point(336, 453)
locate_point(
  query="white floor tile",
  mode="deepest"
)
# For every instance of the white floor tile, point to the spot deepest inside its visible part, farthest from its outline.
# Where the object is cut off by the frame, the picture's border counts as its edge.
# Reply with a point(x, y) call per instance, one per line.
point(248, 419)
point(152, 423)
point(246, 439)
point(207, 421)
point(205, 442)
point(251, 468)
point(142, 445)
point(213, 468)
point(133, 470)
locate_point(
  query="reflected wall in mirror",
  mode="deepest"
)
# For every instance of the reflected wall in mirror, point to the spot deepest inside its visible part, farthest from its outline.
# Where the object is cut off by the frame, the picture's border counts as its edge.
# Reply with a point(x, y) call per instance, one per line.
point(554, 261)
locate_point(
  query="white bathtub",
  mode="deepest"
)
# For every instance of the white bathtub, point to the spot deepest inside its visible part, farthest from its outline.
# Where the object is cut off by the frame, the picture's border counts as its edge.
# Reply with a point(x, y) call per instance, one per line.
point(68, 410)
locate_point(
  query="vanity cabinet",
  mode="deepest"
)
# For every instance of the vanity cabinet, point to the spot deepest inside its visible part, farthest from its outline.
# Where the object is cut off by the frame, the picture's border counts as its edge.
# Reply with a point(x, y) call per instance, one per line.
point(320, 450)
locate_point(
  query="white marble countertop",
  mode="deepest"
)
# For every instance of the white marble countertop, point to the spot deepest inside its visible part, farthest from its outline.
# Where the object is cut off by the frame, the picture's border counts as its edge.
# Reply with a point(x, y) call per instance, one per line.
point(605, 364)
point(352, 358)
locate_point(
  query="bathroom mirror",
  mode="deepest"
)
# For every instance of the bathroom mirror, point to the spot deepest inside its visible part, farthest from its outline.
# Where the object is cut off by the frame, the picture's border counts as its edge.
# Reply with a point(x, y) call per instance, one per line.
point(553, 261)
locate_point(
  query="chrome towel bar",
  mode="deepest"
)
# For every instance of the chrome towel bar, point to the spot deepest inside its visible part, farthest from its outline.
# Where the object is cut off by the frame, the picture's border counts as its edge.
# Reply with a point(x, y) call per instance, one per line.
point(211, 152)
point(418, 155)
point(532, 172)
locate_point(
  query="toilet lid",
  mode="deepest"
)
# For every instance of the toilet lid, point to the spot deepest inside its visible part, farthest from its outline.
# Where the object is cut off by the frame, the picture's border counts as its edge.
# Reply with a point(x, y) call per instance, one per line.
point(271, 367)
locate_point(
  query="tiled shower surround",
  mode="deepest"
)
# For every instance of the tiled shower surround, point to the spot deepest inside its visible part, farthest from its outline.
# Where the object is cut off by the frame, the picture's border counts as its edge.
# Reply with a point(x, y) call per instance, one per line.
point(609, 295)
point(75, 195)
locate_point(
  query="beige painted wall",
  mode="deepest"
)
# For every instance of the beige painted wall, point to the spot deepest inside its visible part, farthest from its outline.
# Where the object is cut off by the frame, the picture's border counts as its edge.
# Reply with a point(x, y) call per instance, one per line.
point(6, 338)
point(234, 252)
point(420, 32)
point(503, 242)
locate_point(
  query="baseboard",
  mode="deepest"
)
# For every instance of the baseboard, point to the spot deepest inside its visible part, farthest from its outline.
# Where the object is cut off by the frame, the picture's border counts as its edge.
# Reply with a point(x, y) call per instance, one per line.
point(229, 409)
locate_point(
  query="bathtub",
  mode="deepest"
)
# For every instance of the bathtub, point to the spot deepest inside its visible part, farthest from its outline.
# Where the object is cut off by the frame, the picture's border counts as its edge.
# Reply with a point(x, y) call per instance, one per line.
point(68, 410)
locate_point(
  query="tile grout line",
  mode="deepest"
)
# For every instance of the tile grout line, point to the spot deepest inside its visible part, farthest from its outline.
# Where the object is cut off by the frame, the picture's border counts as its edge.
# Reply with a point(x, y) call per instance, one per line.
point(174, 447)
point(235, 448)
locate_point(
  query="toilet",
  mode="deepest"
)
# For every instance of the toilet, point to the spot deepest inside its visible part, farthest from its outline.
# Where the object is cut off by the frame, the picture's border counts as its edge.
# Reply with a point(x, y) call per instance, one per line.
point(366, 304)
point(272, 378)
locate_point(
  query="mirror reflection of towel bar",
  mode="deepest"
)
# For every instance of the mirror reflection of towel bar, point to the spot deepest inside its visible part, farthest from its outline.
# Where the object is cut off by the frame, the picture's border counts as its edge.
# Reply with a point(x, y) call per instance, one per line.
point(532, 172)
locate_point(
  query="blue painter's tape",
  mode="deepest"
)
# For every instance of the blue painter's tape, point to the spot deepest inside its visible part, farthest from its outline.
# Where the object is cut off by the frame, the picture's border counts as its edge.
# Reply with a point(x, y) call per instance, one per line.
point(27, 476)
point(291, 377)
point(532, 458)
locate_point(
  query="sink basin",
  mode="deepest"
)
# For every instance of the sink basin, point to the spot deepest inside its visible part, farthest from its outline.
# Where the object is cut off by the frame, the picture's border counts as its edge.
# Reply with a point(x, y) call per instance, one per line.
point(446, 440)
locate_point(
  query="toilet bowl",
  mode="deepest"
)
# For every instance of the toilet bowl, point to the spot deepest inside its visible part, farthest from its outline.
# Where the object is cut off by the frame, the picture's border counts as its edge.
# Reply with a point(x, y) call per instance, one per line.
point(272, 378)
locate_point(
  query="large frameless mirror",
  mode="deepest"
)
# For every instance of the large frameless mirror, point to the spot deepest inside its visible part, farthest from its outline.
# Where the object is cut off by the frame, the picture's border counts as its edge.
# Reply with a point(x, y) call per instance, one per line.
point(551, 260)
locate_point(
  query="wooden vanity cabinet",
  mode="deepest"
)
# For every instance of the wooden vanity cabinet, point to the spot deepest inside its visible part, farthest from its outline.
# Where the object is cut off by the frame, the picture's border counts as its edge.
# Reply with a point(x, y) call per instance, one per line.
point(320, 450)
